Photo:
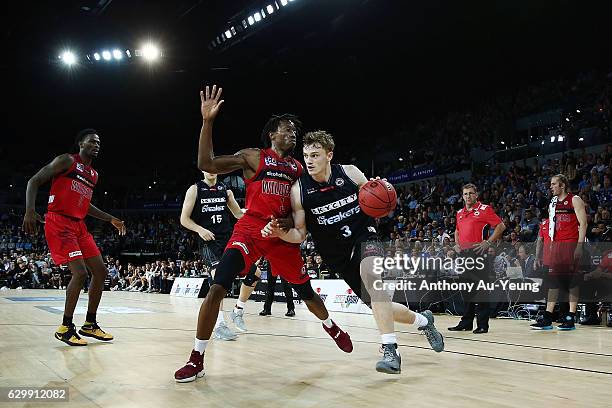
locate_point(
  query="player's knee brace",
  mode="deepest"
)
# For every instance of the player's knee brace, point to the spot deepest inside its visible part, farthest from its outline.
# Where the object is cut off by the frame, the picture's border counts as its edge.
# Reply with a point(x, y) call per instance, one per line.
point(251, 279)
point(229, 267)
point(304, 290)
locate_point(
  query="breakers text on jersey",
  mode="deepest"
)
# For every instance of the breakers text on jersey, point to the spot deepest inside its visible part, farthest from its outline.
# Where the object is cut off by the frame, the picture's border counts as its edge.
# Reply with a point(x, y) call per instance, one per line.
point(342, 215)
point(206, 208)
point(336, 204)
point(275, 188)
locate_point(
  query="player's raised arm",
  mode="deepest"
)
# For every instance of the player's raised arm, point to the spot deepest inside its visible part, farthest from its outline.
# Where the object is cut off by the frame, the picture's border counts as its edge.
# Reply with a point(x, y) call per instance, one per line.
point(58, 165)
point(246, 159)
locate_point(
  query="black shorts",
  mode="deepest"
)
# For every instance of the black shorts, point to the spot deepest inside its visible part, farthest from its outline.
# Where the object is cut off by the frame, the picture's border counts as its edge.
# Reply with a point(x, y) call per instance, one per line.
point(349, 267)
point(212, 251)
point(564, 282)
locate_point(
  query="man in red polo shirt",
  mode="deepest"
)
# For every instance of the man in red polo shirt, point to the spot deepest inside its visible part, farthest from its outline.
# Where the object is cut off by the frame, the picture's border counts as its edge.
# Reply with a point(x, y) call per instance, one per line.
point(471, 241)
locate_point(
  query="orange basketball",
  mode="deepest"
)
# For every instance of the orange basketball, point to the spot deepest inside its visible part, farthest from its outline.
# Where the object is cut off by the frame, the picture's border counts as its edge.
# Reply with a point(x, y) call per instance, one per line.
point(377, 198)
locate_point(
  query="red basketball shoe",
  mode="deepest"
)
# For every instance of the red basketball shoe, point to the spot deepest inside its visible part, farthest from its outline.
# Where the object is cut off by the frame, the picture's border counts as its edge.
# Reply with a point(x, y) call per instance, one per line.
point(342, 339)
point(192, 370)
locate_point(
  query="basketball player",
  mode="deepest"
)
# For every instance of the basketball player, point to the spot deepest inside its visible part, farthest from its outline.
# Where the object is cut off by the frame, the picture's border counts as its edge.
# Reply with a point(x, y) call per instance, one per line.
point(73, 181)
point(205, 212)
point(325, 202)
point(567, 225)
point(269, 174)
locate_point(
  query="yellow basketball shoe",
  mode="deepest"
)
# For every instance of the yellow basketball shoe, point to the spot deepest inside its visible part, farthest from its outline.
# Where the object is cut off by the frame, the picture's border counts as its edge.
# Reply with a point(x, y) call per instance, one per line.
point(93, 330)
point(68, 335)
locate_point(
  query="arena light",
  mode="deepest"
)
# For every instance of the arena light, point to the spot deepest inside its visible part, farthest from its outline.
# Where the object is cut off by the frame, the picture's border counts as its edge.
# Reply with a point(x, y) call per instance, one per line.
point(106, 55)
point(251, 20)
point(567, 119)
point(270, 9)
point(128, 53)
point(117, 54)
point(96, 56)
point(552, 139)
point(150, 52)
point(542, 143)
point(228, 34)
point(577, 110)
point(560, 138)
point(68, 57)
point(502, 142)
point(283, 2)
point(257, 17)
point(581, 139)
point(401, 159)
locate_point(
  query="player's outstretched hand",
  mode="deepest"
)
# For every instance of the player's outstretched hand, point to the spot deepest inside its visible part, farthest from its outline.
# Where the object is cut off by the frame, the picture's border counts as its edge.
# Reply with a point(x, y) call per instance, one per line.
point(206, 235)
point(30, 220)
point(120, 225)
point(272, 229)
point(210, 102)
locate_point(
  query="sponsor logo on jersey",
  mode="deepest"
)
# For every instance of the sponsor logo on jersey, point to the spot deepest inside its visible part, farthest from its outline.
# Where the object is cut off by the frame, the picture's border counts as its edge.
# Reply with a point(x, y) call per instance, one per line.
point(279, 175)
point(80, 167)
point(335, 205)
point(212, 200)
point(269, 161)
point(339, 182)
point(241, 245)
point(311, 190)
point(274, 187)
point(93, 173)
point(342, 215)
point(51, 198)
point(74, 253)
point(85, 181)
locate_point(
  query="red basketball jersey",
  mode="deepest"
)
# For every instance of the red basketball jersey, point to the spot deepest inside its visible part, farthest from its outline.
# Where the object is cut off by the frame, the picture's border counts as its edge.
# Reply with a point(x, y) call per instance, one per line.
point(566, 222)
point(71, 191)
point(546, 240)
point(268, 192)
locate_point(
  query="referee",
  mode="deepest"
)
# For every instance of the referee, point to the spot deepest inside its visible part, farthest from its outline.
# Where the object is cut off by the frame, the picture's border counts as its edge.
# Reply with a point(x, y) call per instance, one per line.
point(470, 242)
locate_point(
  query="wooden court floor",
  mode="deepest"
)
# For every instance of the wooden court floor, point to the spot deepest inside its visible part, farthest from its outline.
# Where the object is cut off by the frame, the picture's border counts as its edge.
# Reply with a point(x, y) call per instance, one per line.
point(291, 362)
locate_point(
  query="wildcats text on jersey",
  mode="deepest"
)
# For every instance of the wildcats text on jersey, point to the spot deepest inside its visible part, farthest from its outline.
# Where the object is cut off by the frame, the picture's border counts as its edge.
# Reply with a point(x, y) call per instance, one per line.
point(275, 188)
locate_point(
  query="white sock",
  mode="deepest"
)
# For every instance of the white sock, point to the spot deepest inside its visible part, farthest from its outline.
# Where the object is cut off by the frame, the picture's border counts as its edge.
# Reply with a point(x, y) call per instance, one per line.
point(420, 320)
point(388, 338)
point(200, 345)
point(220, 318)
point(328, 322)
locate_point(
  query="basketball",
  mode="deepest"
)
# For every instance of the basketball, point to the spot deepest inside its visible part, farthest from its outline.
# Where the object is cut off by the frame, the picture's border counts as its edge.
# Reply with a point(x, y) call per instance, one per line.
point(377, 198)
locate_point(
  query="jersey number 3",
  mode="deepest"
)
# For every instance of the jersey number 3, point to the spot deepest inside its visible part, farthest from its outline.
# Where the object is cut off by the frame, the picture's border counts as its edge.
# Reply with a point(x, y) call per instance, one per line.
point(346, 231)
point(216, 219)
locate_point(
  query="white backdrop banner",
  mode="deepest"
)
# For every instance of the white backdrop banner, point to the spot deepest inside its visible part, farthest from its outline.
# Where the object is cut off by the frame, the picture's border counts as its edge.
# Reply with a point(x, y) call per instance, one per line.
point(187, 287)
point(338, 297)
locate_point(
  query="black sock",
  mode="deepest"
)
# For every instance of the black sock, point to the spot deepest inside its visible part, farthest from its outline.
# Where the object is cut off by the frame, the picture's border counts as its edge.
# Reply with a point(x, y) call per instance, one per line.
point(548, 316)
point(91, 317)
point(67, 320)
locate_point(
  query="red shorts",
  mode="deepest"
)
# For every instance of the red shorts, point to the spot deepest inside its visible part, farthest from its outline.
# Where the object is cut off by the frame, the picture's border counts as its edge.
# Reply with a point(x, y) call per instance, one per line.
point(68, 239)
point(561, 258)
point(285, 258)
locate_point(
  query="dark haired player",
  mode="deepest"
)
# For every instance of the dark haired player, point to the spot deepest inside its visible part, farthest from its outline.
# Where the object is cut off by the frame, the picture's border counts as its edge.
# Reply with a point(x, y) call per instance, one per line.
point(325, 202)
point(73, 181)
point(269, 174)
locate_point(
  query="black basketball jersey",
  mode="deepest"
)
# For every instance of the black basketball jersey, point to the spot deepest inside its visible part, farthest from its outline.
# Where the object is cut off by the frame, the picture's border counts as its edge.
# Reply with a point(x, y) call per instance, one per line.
point(333, 215)
point(210, 210)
